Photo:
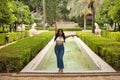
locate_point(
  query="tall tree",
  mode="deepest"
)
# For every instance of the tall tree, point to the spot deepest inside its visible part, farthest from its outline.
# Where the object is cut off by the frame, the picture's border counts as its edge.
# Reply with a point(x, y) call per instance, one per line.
point(21, 12)
point(14, 12)
point(114, 12)
point(81, 7)
point(62, 11)
point(34, 5)
point(93, 4)
point(108, 12)
point(6, 16)
point(51, 10)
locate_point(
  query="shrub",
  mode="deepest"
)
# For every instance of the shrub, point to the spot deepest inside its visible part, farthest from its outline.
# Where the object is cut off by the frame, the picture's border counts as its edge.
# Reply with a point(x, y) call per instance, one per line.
point(111, 35)
point(107, 49)
point(15, 56)
point(67, 29)
point(12, 36)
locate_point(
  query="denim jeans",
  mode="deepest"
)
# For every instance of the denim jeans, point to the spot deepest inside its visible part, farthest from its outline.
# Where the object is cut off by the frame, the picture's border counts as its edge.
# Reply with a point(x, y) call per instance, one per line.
point(59, 51)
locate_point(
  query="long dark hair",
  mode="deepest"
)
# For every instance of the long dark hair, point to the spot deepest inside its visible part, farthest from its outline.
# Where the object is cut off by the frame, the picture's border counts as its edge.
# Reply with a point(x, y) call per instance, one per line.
point(57, 34)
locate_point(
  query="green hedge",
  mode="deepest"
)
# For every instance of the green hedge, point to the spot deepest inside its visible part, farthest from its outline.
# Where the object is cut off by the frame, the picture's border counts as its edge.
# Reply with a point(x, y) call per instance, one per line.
point(37, 28)
point(15, 56)
point(111, 35)
point(5, 30)
point(12, 36)
point(107, 49)
point(67, 29)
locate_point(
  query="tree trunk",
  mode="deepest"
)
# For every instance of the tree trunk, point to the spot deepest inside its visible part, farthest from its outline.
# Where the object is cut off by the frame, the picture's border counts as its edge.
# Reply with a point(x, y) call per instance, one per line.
point(10, 28)
point(93, 15)
point(44, 14)
point(114, 28)
point(3, 28)
point(15, 26)
point(118, 27)
point(93, 21)
point(84, 22)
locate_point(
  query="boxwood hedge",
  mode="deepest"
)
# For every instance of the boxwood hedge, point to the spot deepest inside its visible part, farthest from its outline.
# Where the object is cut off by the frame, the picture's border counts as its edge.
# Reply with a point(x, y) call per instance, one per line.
point(12, 36)
point(111, 35)
point(15, 56)
point(67, 29)
point(107, 49)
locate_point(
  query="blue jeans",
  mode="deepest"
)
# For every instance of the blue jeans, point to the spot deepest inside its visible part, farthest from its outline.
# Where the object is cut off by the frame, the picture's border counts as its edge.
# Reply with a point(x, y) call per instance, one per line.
point(59, 51)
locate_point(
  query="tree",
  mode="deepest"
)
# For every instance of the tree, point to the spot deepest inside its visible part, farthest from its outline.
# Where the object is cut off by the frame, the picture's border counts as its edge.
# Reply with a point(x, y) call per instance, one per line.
point(78, 6)
point(21, 12)
point(51, 10)
point(108, 12)
point(6, 16)
point(34, 5)
point(14, 12)
point(102, 12)
point(62, 12)
point(114, 12)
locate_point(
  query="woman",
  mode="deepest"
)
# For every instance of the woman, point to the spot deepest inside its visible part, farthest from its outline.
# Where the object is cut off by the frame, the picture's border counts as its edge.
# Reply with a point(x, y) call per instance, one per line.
point(59, 47)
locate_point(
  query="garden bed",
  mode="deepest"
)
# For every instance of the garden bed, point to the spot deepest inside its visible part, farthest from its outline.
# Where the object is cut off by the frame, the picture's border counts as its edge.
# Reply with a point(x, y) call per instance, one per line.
point(15, 56)
point(107, 49)
point(111, 35)
point(12, 36)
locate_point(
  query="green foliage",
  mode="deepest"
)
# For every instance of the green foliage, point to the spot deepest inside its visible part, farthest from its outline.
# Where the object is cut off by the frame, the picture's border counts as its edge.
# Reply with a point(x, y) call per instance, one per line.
point(111, 35)
point(62, 12)
point(14, 12)
point(14, 36)
point(108, 12)
point(102, 12)
point(15, 56)
point(114, 11)
point(2, 38)
point(107, 49)
point(21, 12)
point(6, 16)
point(67, 29)
point(33, 4)
point(51, 8)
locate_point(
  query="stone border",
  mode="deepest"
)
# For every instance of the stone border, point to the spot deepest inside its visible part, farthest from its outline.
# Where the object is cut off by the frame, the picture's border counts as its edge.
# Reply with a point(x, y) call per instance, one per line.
point(35, 62)
point(103, 66)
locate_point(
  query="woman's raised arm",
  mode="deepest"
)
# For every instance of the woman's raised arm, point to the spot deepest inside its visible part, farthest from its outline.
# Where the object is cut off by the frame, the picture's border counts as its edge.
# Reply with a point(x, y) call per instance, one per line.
point(72, 35)
point(55, 26)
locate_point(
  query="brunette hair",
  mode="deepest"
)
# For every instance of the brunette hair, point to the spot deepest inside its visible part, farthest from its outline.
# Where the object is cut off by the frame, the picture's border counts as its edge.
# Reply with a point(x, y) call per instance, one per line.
point(57, 34)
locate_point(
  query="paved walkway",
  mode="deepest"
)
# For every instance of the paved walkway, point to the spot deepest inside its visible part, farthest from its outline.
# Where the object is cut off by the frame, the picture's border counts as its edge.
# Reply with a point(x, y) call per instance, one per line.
point(64, 76)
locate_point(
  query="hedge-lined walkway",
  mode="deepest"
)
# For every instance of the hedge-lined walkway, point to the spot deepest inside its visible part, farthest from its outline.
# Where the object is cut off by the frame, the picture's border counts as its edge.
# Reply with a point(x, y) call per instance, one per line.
point(64, 76)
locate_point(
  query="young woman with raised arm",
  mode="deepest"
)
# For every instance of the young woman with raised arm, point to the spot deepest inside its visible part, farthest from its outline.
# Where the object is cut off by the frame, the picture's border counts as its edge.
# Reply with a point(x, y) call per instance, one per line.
point(59, 47)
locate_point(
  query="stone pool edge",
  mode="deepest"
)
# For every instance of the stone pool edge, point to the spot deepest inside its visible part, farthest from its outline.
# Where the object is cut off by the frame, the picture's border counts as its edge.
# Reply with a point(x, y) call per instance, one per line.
point(103, 66)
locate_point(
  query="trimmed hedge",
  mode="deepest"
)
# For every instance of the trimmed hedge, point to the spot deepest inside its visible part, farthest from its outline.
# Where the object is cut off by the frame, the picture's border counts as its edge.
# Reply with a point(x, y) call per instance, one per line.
point(15, 56)
point(111, 35)
point(107, 49)
point(12, 36)
point(37, 28)
point(67, 29)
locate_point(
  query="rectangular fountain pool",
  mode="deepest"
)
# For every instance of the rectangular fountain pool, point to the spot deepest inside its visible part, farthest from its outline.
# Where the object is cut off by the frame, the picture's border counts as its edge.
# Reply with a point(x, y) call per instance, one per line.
point(78, 57)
